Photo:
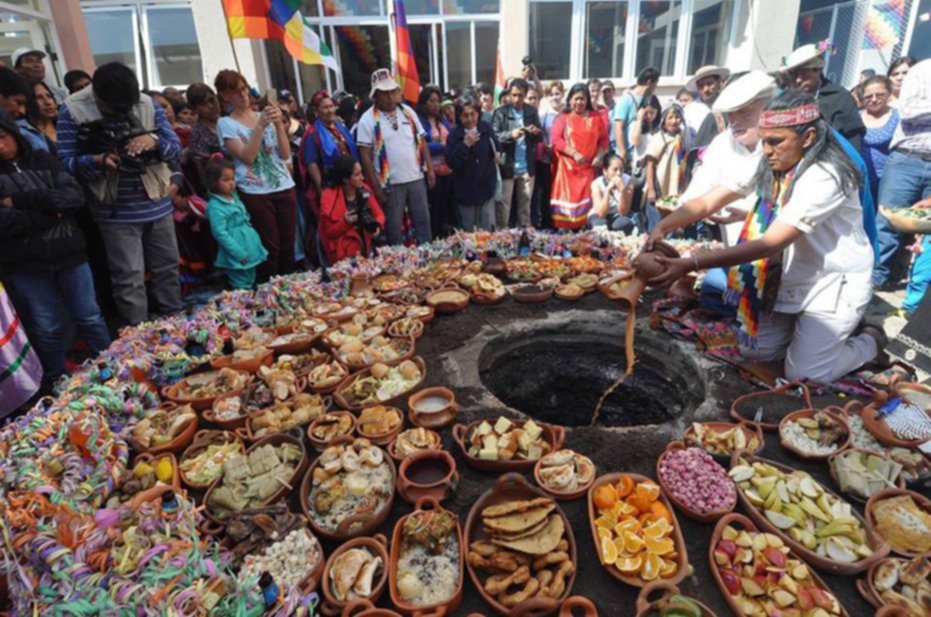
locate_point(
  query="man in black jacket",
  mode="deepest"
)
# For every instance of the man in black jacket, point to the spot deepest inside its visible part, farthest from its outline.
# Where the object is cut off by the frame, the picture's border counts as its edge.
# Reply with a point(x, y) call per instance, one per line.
point(805, 68)
point(518, 129)
point(42, 254)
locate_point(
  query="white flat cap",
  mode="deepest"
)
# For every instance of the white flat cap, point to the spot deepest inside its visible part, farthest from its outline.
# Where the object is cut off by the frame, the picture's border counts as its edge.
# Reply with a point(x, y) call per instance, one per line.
point(707, 71)
point(744, 90)
point(811, 54)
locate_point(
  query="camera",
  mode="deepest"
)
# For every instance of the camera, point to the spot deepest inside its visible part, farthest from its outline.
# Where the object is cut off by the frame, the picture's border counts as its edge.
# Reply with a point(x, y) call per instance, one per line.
point(365, 219)
point(113, 135)
point(526, 60)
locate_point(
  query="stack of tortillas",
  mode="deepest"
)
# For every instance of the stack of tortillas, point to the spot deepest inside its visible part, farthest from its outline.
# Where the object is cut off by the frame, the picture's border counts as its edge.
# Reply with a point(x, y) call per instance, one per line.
point(529, 526)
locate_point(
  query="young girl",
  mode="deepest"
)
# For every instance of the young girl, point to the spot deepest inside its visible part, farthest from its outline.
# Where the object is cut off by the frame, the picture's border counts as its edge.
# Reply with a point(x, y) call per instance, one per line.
point(611, 197)
point(667, 157)
point(239, 248)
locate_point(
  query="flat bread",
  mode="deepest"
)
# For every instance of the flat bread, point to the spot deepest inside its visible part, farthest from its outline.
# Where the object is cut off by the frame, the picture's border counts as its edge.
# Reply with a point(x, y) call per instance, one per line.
point(518, 535)
point(539, 543)
point(519, 521)
point(509, 507)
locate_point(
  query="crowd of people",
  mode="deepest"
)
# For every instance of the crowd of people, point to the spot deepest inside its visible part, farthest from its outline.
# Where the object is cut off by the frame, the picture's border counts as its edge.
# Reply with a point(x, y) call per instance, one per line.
point(116, 202)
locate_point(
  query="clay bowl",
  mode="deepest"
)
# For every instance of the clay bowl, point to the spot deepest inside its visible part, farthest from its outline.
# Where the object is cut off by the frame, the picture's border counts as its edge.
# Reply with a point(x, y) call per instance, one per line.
point(392, 449)
point(842, 444)
point(811, 557)
point(250, 365)
point(573, 604)
point(300, 343)
point(382, 439)
point(275, 440)
point(682, 556)
point(175, 446)
point(553, 435)
point(202, 403)
point(377, 545)
point(892, 610)
point(417, 325)
point(486, 299)
point(404, 345)
point(342, 315)
point(914, 393)
point(562, 495)
point(425, 314)
point(511, 487)
point(446, 300)
point(248, 433)
point(755, 399)
point(322, 444)
point(334, 344)
point(531, 294)
point(561, 293)
point(441, 417)
point(867, 587)
point(329, 388)
point(150, 494)
point(347, 382)
point(448, 607)
point(720, 427)
point(742, 522)
point(210, 415)
point(920, 500)
point(702, 517)
point(899, 481)
point(648, 601)
point(310, 582)
point(357, 524)
point(154, 459)
point(874, 423)
point(429, 473)
point(604, 285)
point(202, 440)
point(364, 608)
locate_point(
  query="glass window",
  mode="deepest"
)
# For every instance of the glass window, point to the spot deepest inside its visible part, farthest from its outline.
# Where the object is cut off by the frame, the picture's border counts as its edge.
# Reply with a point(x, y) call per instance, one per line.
point(422, 7)
point(657, 33)
point(550, 38)
point(422, 43)
point(362, 49)
point(711, 28)
point(459, 37)
point(351, 8)
point(465, 7)
point(173, 46)
point(604, 45)
point(486, 50)
point(110, 33)
point(309, 8)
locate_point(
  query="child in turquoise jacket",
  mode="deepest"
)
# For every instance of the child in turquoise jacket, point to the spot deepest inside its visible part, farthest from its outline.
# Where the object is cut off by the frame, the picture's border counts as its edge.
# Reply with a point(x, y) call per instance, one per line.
point(240, 249)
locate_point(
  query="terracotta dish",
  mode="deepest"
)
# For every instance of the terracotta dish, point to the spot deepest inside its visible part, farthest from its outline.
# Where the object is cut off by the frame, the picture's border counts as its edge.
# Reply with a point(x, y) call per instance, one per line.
point(563, 495)
point(702, 517)
point(153, 460)
point(250, 365)
point(176, 445)
point(842, 442)
point(430, 473)
point(348, 382)
point(203, 439)
point(448, 300)
point(364, 608)
point(920, 500)
point(331, 417)
point(749, 432)
point(648, 601)
point(297, 343)
point(377, 546)
point(574, 604)
point(874, 423)
point(552, 435)
point(438, 415)
point(172, 392)
point(760, 399)
point(531, 293)
point(899, 481)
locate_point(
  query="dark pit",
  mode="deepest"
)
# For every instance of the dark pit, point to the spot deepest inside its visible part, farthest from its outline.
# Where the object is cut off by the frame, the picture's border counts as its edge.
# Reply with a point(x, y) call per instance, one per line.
point(558, 376)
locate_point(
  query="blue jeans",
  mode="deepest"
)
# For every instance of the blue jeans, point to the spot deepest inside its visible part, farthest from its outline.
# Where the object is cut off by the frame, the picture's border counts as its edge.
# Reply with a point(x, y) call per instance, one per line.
point(38, 298)
point(919, 279)
point(712, 293)
point(906, 180)
point(614, 222)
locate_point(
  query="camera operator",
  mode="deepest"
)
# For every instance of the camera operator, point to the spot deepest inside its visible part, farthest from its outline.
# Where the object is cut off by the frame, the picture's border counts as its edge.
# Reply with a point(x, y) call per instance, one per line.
point(530, 74)
point(119, 145)
point(349, 213)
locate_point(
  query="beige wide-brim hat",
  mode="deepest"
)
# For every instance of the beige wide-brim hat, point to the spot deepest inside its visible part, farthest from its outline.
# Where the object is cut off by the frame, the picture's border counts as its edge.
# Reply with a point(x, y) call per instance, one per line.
point(383, 80)
point(810, 56)
point(707, 71)
point(744, 90)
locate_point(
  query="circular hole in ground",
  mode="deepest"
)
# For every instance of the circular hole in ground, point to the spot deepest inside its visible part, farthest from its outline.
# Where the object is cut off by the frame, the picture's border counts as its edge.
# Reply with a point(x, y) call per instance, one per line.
point(557, 376)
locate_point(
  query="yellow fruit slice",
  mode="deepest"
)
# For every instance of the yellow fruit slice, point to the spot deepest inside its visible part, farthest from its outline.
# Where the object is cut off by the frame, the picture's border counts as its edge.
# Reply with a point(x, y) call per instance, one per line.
point(629, 565)
point(652, 566)
point(623, 509)
point(633, 543)
point(669, 569)
point(657, 529)
point(660, 546)
point(606, 520)
point(648, 491)
point(621, 548)
point(630, 524)
point(609, 552)
point(604, 533)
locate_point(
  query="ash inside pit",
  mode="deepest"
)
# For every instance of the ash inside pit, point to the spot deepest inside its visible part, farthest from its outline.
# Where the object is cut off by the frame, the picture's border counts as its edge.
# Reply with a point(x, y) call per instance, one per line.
point(558, 375)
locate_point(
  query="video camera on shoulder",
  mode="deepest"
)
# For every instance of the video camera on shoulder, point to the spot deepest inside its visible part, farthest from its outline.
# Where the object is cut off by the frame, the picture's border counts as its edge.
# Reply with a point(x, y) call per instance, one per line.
point(365, 219)
point(113, 134)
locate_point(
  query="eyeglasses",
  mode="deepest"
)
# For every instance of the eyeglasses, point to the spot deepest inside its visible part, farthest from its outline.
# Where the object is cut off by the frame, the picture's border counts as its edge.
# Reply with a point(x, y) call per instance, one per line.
point(878, 95)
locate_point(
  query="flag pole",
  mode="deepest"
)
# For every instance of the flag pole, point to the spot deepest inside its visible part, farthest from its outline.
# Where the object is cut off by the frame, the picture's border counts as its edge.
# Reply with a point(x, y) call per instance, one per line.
point(230, 36)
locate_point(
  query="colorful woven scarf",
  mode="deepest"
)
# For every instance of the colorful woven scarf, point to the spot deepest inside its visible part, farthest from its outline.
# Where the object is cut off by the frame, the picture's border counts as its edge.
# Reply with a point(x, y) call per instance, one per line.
point(381, 154)
point(682, 161)
point(752, 286)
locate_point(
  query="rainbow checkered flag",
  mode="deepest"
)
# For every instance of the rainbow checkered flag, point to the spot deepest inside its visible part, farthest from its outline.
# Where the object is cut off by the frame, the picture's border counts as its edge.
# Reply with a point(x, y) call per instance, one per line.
point(406, 65)
point(299, 38)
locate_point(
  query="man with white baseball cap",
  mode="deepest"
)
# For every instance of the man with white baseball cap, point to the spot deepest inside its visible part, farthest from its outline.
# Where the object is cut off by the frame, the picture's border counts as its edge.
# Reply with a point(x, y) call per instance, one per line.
point(394, 158)
point(30, 63)
point(708, 82)
point(805, 67)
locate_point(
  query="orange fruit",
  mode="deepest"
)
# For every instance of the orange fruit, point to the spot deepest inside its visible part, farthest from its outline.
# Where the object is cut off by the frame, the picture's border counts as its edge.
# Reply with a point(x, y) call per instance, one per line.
point(627, 525)
point(660, 511)
point(606, 520)
point(622, 509)
point(649, 491)
point(609, 552)
point(629, 565)
point(604, 533)
point(657, 529)
point(604, 497)
point(660, 546)
point(668, 569)
point(652, 566)
point(641, 503)
point(625, 486)
point(633, 543)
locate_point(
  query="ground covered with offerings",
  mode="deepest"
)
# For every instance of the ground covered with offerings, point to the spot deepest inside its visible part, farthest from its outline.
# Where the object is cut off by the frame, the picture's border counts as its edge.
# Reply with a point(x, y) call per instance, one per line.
point(399, 435)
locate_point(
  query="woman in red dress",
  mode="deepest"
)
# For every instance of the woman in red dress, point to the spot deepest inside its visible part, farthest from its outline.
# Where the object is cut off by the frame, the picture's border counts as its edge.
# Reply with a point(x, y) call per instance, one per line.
point(580, 138)
point(350, 217)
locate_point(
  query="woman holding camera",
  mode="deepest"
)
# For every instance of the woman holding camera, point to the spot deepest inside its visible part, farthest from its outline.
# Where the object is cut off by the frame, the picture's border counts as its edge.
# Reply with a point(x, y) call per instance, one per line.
point(349, 213)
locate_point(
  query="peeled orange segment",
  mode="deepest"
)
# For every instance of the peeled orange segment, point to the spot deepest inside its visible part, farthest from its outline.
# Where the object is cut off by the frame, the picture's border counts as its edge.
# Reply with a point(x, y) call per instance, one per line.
point(628, 524)
point(629, 565)
point(658, 510)
point(652, 566)
point(648, 490)
point(660, 546)
point(604, 533)
point(657, 529)
point(622, 509)
point(606, 520)
point(625, 486)
point(609, 552)
point(621, 548)
point(668, 569)
point(633, 543)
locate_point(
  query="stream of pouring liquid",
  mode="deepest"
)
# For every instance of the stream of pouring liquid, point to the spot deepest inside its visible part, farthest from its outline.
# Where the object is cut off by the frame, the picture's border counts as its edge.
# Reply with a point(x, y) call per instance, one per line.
point(629, 352)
